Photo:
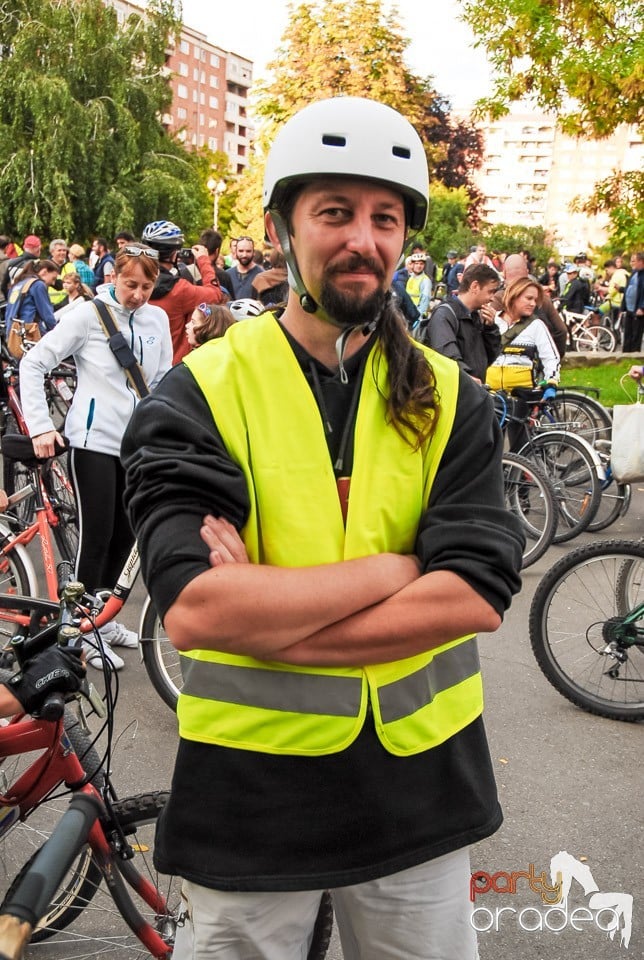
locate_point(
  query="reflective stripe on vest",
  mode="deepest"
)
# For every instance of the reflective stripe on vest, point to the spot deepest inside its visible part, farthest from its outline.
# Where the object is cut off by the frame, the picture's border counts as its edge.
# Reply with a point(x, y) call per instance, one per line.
point(271, 426)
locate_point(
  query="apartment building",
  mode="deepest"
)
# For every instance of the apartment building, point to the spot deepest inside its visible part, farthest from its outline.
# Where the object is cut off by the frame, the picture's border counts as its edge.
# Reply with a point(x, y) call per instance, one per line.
point(209, 93)
point(532, 171)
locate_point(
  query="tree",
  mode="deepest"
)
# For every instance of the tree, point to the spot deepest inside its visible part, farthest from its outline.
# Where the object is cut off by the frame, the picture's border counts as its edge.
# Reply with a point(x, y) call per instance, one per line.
point(621, 196)
point(583, 59)
point(509, 238)
point(82, 147)
point(352, 47)
point(447, 221)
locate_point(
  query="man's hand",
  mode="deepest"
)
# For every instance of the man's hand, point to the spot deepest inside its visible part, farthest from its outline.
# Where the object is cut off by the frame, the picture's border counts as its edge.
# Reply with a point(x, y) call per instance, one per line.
point(55, 670)
point(223, 541)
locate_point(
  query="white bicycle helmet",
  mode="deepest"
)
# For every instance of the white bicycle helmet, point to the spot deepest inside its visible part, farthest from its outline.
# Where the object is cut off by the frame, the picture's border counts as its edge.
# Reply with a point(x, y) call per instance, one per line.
point(344, 137)
point(350, 137)
point(242, 309)
point(163, 235)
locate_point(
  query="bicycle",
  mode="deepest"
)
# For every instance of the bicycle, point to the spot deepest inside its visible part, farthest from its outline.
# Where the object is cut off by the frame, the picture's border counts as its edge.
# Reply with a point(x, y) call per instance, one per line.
point(100, 838)
point(571, 464)
point(584, 336)
point(529, 495)
point(587, 628)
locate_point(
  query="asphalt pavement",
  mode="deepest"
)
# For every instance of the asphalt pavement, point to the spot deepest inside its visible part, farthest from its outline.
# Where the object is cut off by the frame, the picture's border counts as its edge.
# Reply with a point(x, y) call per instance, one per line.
point(570, 783)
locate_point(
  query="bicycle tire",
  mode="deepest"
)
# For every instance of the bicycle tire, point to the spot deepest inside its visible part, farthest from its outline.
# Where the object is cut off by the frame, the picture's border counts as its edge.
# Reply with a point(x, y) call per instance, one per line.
point(570, 467)
point(614, 503)
point(63, 501)
point(160, 659)
point(529, 496)
point(15, 578)
point(15, 476)
point(569, 610)
point(81, 881)
point(579, 413)
point(595, 339)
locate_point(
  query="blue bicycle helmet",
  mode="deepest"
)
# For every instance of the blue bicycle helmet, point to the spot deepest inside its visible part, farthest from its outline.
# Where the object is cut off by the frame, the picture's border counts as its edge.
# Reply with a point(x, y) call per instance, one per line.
point(163, 235)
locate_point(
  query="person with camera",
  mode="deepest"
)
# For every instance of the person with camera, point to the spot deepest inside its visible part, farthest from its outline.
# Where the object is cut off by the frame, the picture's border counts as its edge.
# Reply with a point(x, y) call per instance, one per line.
point(173, 291)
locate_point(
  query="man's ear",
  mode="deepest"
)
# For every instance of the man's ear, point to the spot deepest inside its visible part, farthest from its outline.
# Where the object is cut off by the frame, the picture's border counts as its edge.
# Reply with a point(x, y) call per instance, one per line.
point(271, 232)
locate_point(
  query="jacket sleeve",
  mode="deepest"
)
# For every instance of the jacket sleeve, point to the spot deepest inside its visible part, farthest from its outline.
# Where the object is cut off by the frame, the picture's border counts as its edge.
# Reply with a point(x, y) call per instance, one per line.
point(63, 341)
point(466, 527)
point(211, 291)
point(44, 309)
point(177, 471)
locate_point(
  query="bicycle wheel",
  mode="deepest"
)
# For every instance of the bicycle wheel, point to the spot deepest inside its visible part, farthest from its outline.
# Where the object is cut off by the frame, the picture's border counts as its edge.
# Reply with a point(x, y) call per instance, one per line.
point(595, 339)
point(162, 662)
point(15, 578)
point(20, 843)
point(614, 502)
point(578, 413)
point(573, 616)
point(530, 497)
point(16, 476)
point(570, 466)
point(61, 495)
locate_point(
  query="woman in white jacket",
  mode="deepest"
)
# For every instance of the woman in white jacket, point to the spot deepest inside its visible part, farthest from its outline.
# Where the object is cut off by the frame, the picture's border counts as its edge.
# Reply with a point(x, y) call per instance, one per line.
point(102, 406)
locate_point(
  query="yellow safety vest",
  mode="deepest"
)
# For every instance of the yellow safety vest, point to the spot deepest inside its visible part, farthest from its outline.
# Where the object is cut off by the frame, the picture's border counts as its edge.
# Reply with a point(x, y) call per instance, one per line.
point(271, 425)
point(413, 286)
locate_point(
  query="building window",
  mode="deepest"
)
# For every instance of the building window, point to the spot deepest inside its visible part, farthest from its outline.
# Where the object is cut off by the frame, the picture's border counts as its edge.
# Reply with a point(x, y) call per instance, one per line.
point(182, 91)
point(212, 143)
point(184, 46)
point(214, 82)
point(202, 98)
point(195, 74)
point(183, 69)
point(182, 113)
point(214, 60)
point(213, 103)
point(197, 52)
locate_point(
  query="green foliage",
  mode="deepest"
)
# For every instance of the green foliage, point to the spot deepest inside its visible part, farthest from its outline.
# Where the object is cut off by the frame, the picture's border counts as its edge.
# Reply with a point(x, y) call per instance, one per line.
point(507, 238)
point(621, 196)
point(82, 148)
point(581, 58)
point(447, 223)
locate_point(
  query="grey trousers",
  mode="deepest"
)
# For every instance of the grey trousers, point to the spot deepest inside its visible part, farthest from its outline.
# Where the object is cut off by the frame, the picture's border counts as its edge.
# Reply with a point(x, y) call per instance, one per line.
point(418, 914)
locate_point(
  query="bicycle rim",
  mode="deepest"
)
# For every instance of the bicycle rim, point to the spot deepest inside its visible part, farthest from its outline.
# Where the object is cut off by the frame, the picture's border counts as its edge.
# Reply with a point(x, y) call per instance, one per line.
point(22, 841)
point(95, 926)
point(595, 340)
point(14, 579)
point(529, 496)
point(568, 614)
point(572, 471)
point(578, 413)
point(161, 660)
point(61, 495)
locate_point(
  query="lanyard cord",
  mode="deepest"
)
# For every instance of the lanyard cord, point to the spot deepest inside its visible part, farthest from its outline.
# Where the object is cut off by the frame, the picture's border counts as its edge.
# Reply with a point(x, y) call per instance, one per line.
point(338, 466)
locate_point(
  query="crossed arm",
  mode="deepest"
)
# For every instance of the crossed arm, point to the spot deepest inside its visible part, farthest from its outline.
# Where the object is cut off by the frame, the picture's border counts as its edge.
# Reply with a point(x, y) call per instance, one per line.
point(370, 610)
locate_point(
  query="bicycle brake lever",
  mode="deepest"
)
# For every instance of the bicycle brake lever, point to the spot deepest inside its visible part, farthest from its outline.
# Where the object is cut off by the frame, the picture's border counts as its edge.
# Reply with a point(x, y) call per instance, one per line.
point(93, 697)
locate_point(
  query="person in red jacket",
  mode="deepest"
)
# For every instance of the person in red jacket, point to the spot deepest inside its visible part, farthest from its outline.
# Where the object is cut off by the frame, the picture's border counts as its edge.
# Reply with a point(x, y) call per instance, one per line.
point(175, 290)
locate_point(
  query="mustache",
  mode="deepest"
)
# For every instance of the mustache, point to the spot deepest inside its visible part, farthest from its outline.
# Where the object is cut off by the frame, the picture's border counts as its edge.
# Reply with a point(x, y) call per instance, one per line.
point(356, 263)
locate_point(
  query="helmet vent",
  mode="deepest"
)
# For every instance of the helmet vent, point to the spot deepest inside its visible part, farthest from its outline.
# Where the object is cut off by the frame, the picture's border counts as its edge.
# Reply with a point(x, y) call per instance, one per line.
point(332, 140)
point(403, 152)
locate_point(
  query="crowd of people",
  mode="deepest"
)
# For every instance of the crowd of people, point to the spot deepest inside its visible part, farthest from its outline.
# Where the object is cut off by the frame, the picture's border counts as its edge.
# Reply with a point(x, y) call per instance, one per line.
point(327, 622)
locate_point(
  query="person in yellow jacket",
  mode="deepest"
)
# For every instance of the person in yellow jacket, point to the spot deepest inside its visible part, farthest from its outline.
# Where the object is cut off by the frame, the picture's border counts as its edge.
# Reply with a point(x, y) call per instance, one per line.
point(319, 507)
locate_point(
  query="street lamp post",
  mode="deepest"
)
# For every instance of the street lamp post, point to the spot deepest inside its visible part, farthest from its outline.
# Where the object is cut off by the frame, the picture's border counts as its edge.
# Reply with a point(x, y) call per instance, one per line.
point(217, 188)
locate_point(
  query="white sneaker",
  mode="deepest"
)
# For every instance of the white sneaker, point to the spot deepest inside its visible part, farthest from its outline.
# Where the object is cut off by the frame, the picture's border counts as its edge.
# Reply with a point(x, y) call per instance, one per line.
point(94, 659)
point(118, 636)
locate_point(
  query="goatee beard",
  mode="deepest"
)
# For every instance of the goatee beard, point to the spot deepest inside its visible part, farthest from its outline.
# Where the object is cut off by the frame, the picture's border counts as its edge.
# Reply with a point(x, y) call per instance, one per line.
point(346, 309)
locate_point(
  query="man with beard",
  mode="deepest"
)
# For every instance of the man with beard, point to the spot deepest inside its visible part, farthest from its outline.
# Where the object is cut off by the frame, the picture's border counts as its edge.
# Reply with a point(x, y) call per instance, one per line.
point(240, 277)
point(333, 495)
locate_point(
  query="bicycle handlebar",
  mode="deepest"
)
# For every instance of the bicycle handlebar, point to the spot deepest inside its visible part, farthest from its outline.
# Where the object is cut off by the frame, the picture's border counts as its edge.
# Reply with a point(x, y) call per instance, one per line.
point(25, 906)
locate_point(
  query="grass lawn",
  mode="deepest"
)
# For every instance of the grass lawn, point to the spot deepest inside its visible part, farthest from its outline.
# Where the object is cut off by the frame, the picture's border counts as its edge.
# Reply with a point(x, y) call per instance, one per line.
point(606, 377)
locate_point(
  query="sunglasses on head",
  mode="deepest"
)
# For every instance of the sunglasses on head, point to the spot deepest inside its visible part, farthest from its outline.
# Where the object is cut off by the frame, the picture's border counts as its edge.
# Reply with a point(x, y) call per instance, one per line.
point(205, 309)
point(140, 252)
